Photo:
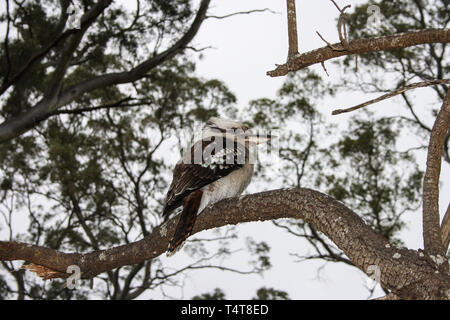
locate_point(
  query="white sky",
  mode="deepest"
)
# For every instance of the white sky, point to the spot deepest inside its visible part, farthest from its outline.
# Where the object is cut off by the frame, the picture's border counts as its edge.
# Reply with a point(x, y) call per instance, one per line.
point(246, 47)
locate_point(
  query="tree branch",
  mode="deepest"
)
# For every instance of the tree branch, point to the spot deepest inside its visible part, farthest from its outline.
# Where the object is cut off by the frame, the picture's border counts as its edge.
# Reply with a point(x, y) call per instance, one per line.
point(431, 229)
point(396, 41)
point(393, 94)
point(402, 270)
point(416, 118)
point(240, 12)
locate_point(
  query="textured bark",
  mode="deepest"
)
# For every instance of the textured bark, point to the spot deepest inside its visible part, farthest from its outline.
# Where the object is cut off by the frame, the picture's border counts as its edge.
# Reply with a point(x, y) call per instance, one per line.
point(407, 273)
point(432, 235)
point(396, 41)
point(445, 229)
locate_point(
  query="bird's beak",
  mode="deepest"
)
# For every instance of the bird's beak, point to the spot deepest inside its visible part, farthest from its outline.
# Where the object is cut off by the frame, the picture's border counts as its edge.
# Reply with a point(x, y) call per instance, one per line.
point(258, 138)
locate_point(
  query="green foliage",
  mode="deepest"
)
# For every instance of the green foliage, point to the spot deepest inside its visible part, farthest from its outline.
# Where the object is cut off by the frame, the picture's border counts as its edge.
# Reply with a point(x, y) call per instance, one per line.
point(263, 293)
point(218, 294)
point(371, 176)
point(90, 180)
point(271, 294)
point(261, 251)
point(5, 291)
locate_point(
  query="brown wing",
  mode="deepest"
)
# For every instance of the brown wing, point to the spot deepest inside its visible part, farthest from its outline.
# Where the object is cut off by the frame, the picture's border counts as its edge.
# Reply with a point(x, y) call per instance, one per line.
point(186, 222)
point(218, 158)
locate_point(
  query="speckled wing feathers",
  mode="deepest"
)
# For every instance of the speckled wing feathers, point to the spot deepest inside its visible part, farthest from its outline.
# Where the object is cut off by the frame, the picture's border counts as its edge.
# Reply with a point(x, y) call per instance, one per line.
point(219, 157)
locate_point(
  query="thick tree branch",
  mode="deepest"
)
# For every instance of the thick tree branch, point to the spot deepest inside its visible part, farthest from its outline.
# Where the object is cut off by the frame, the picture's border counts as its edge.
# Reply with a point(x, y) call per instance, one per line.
point(431, 222)
point(396, 41)
point(446, 149)
point(402, 270)
point(445, 229)
point(119, 104)
point(16, 126)
point(292, 30)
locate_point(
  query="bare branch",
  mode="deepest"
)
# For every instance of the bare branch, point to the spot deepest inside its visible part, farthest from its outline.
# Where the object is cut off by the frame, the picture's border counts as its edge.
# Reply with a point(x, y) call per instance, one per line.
point(240, 13)
point(328, 44)
point(411, 109)
point(337, 7)
point(342, 30)
point(5, 44)
point(396, 41)
point(392, 94)
point(119, 104)
point(402, 270)
point(292, 30)
point(14, 127)
point(431, 222)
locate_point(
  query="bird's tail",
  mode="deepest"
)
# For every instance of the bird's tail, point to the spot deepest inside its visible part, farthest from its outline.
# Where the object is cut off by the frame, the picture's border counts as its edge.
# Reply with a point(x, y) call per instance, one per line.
point(186, 222)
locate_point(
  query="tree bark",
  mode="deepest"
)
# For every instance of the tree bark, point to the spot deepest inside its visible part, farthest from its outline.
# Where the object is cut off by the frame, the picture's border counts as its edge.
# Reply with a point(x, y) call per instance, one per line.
point(432, 235)
point(407, 273)
point(396, 41)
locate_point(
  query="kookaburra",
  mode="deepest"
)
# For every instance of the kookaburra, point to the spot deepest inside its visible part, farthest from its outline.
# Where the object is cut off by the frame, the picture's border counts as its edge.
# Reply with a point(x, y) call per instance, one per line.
point(218, 166)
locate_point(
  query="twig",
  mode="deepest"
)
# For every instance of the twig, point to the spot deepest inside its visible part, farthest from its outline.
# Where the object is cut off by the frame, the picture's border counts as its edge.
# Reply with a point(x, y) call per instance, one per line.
point(242, 12)
point(324, 69)
point(292, 29)
point(329, 44)
point(392, 94)
point(341, 25)
point(118, 104)
point(200, 49)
